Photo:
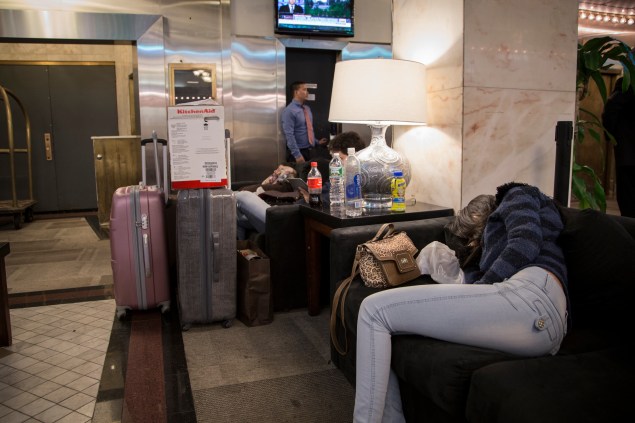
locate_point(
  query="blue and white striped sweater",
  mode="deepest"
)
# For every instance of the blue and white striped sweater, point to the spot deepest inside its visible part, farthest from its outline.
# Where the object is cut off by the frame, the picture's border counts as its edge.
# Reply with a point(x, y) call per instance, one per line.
point(522, 232)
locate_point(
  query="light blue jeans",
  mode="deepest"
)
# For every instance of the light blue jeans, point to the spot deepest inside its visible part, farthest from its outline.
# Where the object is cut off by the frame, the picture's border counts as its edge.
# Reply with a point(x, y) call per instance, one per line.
point(251, 212)
point(524, 315)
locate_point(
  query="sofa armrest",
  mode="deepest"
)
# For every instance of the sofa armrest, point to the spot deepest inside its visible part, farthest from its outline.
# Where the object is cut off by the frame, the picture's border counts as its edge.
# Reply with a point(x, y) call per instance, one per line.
point(344, 242)
point(284, 244)
point(627, 222)
point(590, 387)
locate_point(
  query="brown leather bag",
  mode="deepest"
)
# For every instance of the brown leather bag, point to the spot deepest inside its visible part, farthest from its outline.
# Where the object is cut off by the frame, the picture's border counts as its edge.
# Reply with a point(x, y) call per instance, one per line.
point(385, 261)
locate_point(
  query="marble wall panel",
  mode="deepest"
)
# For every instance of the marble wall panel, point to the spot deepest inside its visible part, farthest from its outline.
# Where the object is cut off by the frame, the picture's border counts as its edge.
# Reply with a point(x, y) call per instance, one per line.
point(431, 32)
point(435, 159)
point(509, 135)
point(520, 44)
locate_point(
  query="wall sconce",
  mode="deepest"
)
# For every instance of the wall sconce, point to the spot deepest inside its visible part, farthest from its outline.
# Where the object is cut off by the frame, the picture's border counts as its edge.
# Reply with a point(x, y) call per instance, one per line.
point(379, 93)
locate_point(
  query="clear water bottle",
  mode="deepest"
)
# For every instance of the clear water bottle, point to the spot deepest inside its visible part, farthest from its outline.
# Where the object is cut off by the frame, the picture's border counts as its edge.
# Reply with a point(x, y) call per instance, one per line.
point(314, 181)
point(336, 179)
point(352, 173)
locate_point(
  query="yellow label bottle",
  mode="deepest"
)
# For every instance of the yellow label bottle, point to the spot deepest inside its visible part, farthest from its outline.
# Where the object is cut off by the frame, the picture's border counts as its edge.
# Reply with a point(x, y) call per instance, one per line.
point(398, 188)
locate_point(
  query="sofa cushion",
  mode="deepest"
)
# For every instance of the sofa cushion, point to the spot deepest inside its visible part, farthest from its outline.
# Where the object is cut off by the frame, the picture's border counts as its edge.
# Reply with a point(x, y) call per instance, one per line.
point(439, 370)
point(590, 387)
point(599, 254)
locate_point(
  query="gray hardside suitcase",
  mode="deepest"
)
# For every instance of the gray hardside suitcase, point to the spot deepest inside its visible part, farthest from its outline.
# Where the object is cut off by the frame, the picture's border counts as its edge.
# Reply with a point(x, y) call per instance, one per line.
point(206, 256)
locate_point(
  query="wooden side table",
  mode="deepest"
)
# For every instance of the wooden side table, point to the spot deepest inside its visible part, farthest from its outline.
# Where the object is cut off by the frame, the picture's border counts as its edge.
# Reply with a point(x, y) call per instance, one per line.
point(5, 325)
point(320, 222)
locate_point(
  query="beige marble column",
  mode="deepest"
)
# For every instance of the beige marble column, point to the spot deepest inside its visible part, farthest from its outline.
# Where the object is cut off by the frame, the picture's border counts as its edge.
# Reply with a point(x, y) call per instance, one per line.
point(500, 75)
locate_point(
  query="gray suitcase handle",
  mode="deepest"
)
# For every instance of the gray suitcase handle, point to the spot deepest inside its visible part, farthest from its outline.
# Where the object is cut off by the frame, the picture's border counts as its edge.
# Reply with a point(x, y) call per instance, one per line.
point(214, 247)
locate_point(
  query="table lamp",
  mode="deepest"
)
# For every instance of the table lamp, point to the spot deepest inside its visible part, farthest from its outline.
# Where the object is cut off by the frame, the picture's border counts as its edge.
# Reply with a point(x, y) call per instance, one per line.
point(379, 93)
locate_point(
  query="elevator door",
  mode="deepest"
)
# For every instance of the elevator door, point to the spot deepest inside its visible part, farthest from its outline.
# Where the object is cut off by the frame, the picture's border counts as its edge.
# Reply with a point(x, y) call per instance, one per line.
point(67, 104)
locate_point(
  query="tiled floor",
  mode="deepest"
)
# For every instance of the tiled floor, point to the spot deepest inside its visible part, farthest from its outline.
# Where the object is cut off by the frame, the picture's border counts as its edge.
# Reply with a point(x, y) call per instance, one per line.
point(51, 373)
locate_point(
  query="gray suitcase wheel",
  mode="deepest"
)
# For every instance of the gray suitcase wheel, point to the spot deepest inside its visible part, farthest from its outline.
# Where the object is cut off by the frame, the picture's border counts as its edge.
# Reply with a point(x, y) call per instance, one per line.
point(227, 323)
point(185, 327)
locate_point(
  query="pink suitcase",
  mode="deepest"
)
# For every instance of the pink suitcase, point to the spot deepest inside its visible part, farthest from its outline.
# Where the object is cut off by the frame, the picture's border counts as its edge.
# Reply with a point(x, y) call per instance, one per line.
point(138, 244)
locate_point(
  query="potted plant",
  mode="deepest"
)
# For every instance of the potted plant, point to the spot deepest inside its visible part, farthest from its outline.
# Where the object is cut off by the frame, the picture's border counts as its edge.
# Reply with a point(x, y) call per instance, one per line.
point(594, 57)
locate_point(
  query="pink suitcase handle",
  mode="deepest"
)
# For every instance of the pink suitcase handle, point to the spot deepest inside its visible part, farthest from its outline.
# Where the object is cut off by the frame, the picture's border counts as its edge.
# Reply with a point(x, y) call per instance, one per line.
point(164, 146)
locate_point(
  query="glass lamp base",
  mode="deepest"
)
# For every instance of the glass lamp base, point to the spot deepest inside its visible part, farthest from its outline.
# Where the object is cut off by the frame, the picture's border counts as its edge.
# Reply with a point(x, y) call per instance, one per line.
point(377, 201)
point(378, 162)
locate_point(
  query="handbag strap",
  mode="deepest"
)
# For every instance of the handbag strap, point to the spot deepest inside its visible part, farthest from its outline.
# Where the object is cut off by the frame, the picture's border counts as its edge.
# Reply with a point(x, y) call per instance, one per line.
point(339, 299)
point(389, 228)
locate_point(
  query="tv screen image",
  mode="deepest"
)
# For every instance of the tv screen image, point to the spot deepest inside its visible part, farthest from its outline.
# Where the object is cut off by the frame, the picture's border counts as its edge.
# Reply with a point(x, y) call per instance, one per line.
point(315, 17)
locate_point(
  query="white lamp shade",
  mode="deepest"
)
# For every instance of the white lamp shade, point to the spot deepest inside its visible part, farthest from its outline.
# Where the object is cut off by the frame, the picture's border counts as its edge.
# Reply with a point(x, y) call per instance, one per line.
point(379, 92)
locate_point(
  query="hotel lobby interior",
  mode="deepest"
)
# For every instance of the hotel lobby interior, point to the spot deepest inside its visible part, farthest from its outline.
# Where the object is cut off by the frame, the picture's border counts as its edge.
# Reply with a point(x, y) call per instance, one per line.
point(499, 76)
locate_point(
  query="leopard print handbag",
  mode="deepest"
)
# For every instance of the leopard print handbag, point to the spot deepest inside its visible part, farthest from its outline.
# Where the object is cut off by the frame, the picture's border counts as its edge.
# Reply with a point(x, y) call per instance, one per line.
point(387, 259)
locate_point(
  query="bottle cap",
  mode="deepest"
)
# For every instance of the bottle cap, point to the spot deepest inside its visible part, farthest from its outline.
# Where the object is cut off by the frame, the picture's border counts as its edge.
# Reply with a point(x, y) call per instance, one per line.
point(350, 151)
point(397, 173)
point(314, 164)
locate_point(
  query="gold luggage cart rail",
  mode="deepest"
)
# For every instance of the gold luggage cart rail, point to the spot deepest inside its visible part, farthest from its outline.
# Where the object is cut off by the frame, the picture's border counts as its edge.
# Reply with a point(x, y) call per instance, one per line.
point(15, 206)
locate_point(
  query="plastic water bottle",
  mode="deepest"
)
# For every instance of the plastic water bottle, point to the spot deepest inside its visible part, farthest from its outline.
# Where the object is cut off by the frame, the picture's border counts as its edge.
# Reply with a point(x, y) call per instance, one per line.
point(353, 176)
point(336, 179)
point(398, 189)
point(314, 181)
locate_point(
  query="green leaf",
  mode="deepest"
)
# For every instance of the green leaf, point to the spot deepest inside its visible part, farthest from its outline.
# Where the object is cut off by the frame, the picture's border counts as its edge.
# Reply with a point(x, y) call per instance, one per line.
point(595, 134)
point(610, 137)
point(599, 81)
point(594, 199)
point(596, 119)
point(595, 43)
point(599, 196)
point(592, 60)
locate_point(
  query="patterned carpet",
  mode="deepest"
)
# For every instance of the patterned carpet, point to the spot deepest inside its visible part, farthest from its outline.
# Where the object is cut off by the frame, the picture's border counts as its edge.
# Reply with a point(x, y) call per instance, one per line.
point(274, 373)
point(309, 398)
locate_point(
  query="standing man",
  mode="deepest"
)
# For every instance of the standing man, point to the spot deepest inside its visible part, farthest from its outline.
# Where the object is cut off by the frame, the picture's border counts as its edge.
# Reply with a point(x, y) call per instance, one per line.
point(291, 8)
point(619, 119)
point(297, 126)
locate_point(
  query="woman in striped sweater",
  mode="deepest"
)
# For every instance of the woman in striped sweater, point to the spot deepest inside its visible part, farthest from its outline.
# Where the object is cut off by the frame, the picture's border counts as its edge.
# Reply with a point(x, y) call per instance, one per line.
point(516, 304)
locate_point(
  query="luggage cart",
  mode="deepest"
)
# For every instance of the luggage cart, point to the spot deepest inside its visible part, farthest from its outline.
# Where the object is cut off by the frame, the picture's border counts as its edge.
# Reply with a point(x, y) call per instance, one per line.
point(16, 207)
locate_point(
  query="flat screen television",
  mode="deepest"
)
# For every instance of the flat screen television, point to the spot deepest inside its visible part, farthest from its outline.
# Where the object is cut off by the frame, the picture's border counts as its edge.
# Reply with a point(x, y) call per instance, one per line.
point(315, 17)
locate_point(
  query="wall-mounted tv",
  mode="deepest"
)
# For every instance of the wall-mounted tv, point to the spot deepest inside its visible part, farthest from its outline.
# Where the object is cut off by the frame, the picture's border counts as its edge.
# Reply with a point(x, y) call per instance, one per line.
point(315, 17)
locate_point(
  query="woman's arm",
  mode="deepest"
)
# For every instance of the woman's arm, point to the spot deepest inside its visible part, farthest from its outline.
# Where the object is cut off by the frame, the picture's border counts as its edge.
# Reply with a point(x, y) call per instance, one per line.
point(516, 223)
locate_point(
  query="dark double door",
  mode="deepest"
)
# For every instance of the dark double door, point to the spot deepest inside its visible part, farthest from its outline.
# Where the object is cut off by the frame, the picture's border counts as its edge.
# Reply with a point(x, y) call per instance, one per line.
point(67, 104)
